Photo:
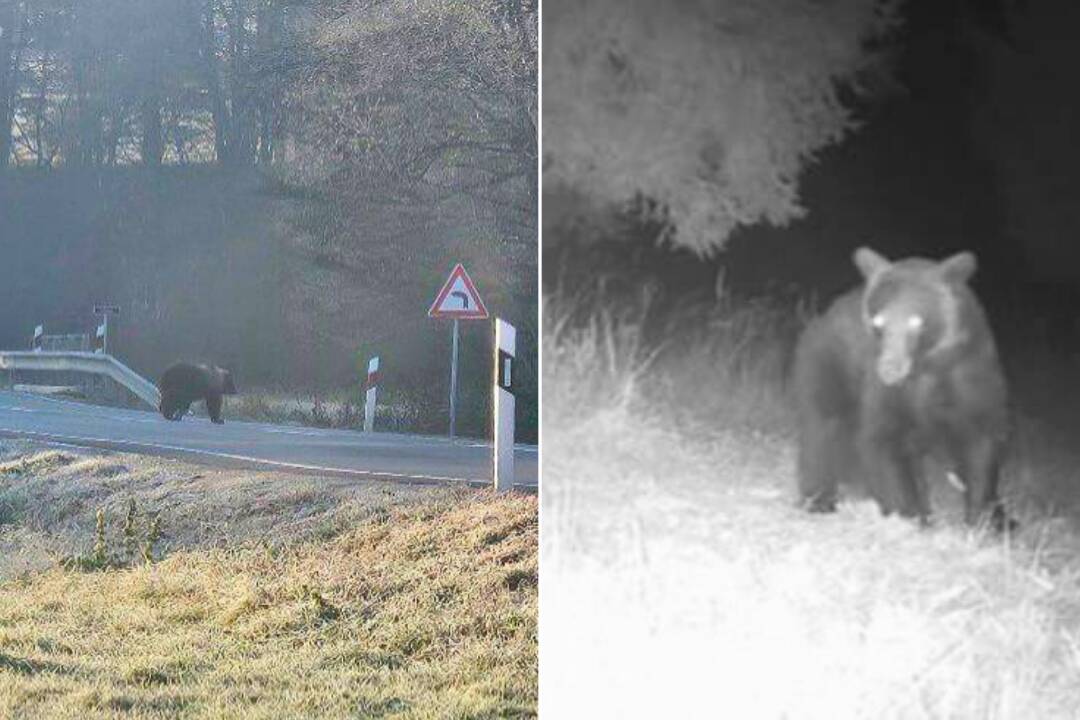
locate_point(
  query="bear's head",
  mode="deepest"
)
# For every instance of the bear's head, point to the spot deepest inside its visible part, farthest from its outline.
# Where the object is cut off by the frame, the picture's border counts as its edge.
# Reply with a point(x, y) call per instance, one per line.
point(911, 309)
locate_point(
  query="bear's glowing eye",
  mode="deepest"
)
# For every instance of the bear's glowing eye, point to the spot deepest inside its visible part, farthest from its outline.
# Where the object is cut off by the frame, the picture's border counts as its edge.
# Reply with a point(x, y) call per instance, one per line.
point(915, 322)
point(878, 321)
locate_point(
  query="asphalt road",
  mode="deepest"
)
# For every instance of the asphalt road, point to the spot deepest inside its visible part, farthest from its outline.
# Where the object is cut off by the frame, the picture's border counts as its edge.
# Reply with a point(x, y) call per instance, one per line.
point(389, 456)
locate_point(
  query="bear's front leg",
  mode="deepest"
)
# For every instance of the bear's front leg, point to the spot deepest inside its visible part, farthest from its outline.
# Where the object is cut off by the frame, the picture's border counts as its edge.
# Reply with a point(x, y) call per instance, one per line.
point(979, 461)
point(894, 477)
point(213, 408)
point(181, 411)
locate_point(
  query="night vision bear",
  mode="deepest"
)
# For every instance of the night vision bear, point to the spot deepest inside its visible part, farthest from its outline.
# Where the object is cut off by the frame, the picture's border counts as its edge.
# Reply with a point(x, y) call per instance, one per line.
point(901, 370)
point(183, 383)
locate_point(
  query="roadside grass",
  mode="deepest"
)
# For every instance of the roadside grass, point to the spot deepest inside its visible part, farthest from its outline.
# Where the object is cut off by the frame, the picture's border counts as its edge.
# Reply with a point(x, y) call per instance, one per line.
point(50, 501)
point(426, 611)
point(680, 575)
point(339, 410)
point(396, 411)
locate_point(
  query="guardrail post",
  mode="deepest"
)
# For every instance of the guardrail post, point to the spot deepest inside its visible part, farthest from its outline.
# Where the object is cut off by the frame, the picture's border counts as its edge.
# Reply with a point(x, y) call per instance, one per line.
point(505, 348)
point(372, 387)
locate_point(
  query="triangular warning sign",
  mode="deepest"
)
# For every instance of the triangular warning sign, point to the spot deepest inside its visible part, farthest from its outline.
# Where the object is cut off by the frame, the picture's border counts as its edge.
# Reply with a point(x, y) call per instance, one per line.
point(458, 299)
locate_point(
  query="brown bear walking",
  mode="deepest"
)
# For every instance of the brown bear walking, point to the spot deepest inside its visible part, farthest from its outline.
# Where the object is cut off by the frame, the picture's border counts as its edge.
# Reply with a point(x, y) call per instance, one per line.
point(183, 383)
point(900, 369)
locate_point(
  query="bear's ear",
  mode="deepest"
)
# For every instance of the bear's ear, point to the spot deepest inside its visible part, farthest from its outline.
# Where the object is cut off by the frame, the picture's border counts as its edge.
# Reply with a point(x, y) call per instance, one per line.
point(870, 263)
point(959, 267)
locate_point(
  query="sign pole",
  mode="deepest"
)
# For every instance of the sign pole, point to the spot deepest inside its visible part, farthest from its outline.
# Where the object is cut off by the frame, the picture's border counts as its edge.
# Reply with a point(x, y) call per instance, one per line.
point(457, 300)
point(453, 382)
point(505, 349)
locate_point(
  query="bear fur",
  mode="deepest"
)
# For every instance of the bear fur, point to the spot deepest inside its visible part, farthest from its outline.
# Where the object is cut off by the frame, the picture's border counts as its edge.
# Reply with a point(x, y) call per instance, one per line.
point(899, 371)
point(183, 383)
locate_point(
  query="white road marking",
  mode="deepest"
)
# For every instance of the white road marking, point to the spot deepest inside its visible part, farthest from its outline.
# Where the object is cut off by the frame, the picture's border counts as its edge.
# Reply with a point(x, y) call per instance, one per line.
point(51, 437)
point(285, 431)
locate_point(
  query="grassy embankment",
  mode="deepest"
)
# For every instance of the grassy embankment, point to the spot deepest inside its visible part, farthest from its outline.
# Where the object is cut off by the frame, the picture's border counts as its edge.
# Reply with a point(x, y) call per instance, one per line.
point(419, 604)
point(679, 575)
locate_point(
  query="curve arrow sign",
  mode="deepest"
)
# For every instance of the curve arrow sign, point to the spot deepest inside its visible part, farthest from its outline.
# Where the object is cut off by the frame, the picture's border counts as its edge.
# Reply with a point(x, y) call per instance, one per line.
point(458, 299)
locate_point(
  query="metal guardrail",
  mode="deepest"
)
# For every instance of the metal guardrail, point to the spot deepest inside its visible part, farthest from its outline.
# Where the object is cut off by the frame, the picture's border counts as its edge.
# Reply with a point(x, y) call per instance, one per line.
point(86, 362)
point(73, 342)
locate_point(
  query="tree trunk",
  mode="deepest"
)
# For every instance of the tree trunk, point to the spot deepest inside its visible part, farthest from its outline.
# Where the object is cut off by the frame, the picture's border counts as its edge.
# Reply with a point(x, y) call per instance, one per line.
point(85, 145)
point(218, 109)
point(8, 80)
point(41, 103)
point(112, 136)
point(269, 32)
point(242, 126)
point(153, 145)
point(6, 77)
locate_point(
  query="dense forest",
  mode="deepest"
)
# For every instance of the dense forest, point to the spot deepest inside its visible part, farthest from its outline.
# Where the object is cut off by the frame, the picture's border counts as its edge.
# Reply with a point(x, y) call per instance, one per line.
point(277, 185)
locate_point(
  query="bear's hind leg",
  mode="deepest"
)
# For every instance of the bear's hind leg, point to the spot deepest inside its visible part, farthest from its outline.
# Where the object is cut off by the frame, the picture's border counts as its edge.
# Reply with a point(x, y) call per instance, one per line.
point(823, 453)
point(213, 408)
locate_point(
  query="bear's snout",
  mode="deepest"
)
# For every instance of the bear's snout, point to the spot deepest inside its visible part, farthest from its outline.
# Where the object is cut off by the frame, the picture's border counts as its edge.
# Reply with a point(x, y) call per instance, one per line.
point(892, 370)
point(895, 360)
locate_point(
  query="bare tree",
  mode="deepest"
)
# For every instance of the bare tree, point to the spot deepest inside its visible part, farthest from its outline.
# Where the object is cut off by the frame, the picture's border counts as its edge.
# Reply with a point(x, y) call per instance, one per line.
point(13, 24)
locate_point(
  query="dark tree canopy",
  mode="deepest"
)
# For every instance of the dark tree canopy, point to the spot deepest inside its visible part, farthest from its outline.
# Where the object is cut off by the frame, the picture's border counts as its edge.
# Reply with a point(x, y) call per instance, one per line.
point(710, 108)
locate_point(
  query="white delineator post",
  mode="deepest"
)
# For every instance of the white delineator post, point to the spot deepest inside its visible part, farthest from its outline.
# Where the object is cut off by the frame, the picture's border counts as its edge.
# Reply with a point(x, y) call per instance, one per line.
point(101, 338)
point(372, 386)
point(505, 348)
point(39, 338)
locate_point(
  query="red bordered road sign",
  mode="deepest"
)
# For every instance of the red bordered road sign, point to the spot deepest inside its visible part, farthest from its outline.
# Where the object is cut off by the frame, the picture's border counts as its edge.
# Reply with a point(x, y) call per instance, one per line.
point(458, 299)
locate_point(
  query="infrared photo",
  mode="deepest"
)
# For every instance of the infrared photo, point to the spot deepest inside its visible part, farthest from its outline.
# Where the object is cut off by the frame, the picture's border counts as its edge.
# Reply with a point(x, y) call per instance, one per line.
point(269, 369)
point(811, 345)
